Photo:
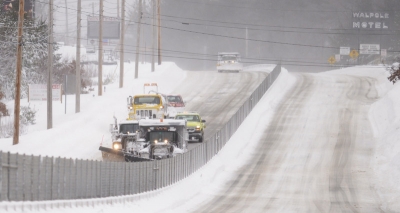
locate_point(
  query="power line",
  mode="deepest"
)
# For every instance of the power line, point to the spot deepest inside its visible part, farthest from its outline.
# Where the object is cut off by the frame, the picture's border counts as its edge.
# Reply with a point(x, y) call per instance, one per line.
point(257, 25)
point(270, 9)
point(233, 23)
point(265, 30)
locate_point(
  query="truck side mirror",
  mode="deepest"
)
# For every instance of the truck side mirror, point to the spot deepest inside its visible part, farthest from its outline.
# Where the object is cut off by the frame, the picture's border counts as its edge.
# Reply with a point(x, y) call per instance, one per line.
point(203, 121)
point(129, 101)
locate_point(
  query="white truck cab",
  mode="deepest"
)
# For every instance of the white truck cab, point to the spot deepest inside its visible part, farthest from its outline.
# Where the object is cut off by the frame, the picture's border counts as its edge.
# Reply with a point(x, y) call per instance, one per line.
point(229, 62)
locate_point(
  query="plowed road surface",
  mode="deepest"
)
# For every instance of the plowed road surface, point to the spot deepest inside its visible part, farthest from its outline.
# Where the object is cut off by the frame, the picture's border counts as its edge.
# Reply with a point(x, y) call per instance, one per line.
point(314, 156)
point(217, 96)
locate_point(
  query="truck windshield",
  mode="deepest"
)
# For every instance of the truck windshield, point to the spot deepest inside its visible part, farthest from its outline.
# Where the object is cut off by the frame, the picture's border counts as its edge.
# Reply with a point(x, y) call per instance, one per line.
point(188, 117)
point(147, 100)
point(131, 128)
point(229, 58)
point(162, 136)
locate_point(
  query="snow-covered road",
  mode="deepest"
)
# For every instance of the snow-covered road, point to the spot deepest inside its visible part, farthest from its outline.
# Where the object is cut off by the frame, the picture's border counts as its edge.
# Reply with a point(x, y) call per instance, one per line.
point(315, 155)
point(217, 96)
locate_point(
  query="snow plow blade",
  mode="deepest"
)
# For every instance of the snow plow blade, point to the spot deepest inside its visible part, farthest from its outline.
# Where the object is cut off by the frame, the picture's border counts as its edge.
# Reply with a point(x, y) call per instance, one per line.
point(135, 159)
point(120, 155)
point(111, 151)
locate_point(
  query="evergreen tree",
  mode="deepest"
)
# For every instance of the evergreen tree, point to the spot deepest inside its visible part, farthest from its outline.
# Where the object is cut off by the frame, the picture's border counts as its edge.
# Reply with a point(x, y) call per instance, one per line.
point(34, 50)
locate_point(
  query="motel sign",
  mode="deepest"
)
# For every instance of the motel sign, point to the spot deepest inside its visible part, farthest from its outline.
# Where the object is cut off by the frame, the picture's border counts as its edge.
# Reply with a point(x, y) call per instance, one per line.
point(370, 20)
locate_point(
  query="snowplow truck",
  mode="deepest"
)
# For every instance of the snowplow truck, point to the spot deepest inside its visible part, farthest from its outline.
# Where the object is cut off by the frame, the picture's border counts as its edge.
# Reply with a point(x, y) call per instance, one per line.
point(151, 106)
point(125, 144)
point(165, 137)
point(229, 62)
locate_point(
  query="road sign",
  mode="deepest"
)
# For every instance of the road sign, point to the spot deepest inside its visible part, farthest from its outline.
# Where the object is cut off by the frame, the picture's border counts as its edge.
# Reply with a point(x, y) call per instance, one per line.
point(332, 60)
point(344, 50)
point(111, 27)
point(354, 54)
point(370, 49)
point(38, 92)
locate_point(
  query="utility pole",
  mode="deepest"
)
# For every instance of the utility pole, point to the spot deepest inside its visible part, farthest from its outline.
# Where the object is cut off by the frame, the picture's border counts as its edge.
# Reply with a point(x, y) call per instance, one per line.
point(92, 8)
point(138, 40)
point(78, 61)
point(50, 70)
point(66, 23)
point(159, 32)
point(100, 78)
point(121, 49)
point(153, 42)
point(117, 8)
point(17, 102)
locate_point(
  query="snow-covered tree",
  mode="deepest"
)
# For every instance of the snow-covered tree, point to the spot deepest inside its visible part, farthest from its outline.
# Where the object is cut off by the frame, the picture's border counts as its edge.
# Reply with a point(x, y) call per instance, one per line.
point(34, 50)
point(3, 108)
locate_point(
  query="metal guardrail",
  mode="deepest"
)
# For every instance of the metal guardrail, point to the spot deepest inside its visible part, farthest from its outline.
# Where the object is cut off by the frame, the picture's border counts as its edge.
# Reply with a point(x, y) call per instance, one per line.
point(38, 178)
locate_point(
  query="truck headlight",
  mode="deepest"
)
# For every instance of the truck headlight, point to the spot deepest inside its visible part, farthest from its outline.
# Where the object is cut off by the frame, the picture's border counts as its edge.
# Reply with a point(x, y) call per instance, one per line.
point(117, 146)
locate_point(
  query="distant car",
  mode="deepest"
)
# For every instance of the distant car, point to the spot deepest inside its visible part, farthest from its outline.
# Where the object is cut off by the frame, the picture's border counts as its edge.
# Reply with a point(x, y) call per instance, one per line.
point(195, 125)
point(229, 62)
point(175, 105)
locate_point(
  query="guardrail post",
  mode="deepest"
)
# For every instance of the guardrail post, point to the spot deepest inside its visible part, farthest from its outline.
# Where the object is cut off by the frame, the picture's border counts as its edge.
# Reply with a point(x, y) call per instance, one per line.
point(155, 170)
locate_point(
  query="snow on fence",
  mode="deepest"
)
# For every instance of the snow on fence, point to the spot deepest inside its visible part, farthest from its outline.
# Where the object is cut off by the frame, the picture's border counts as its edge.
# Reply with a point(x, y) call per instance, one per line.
point(38, 178)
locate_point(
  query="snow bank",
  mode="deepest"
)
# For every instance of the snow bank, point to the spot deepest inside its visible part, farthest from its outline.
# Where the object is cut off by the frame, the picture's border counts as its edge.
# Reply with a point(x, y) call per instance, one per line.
point(68, 53)
point(385, 116)
point(377, 72)
point(260, 67)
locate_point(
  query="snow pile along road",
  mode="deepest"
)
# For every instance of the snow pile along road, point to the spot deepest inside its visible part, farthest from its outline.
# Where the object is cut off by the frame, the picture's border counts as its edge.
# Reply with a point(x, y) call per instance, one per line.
point(385, 117)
